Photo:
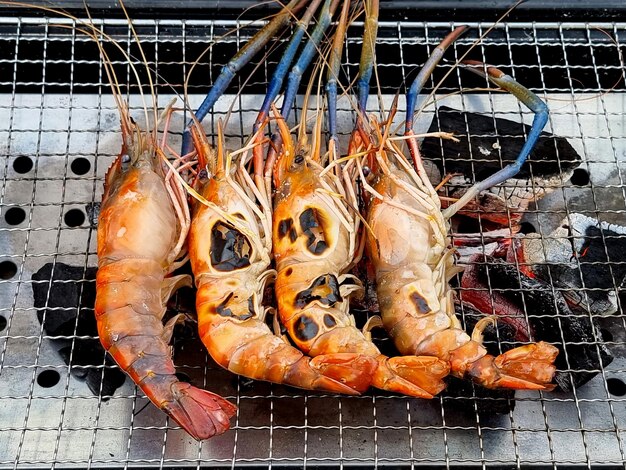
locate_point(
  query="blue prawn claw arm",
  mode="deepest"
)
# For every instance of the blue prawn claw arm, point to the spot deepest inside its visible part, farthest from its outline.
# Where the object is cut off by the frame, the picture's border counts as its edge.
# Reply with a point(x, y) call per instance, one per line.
point(533, 102)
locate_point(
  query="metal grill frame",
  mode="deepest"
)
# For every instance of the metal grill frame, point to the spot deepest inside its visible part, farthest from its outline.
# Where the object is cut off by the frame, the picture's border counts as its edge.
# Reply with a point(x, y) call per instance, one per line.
point(41, 427)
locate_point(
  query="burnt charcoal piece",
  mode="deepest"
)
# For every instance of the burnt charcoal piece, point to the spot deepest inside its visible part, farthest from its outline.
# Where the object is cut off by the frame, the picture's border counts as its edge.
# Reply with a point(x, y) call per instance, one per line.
point(488, 401)
point(68, 307)
point(85, 355)
point(552, 320)
point(69, 287)
point(491, 138)
point(598, 243)
point(503, 334)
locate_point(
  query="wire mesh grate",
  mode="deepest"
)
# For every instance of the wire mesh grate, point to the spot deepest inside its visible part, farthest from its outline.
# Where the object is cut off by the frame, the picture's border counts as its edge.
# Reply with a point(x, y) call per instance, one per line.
point(59, 133)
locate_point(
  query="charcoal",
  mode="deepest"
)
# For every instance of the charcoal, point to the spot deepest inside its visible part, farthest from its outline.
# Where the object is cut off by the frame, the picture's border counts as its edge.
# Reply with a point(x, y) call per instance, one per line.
point(598, 267)
point(552, 320)
point(551, 156)
point(87, 354)
point(68, 308)
point(66, 296)
point(497, 339)
point(488, 402)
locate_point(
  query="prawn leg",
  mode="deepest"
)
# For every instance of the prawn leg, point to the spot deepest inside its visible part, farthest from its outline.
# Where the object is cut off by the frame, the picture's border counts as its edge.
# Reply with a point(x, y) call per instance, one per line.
point(534, 103)
point(278, 78)
point(366, 64)
point(283, 66)
point(417, 85)
point(307, 53)
point(425, 73)
point(334, 65)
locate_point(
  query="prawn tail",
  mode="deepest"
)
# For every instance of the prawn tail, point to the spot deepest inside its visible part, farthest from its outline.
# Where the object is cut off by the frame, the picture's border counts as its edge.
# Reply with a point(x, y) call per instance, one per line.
point(417, 376)
point(201, 413)
point(528, 367)
point(147, 360)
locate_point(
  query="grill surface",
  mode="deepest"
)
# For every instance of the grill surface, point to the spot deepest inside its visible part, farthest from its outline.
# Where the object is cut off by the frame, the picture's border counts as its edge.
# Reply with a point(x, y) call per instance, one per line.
point(55, 108)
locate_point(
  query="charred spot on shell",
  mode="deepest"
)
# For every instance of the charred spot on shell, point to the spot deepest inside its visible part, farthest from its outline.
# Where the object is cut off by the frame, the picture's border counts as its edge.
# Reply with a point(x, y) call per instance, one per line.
point(224, 311)
point(329, 320)
point(286, 227)
point(324, 289)
point(230, 249)
point(314, 231)
point(289, 272)
point(420, 303)
point(305, 328)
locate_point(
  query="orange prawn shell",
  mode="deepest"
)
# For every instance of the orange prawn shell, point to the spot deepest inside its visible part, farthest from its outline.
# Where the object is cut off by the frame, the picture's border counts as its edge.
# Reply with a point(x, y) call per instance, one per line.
point(217, 287)
point(133, 204)
point(299, 195)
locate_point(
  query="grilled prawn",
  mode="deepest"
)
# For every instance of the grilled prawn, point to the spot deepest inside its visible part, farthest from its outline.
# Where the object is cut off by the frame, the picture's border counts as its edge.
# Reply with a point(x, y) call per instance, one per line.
point(408, 247)
point(314, 247)
point(230, 246)
point(140, 233)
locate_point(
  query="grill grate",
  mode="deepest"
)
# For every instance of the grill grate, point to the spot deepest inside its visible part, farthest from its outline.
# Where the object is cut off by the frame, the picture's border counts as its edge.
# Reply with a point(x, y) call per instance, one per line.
point(58, 135)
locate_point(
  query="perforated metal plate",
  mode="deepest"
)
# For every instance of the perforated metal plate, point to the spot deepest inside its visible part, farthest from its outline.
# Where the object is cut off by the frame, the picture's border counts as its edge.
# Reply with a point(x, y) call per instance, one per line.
point(55, 108)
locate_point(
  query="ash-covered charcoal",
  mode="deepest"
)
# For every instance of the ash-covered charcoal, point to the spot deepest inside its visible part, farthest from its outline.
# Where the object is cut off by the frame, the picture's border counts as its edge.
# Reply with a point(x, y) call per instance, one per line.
point(495, 142)
point(65, 307)
point(576, 257)
point(551, 320)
